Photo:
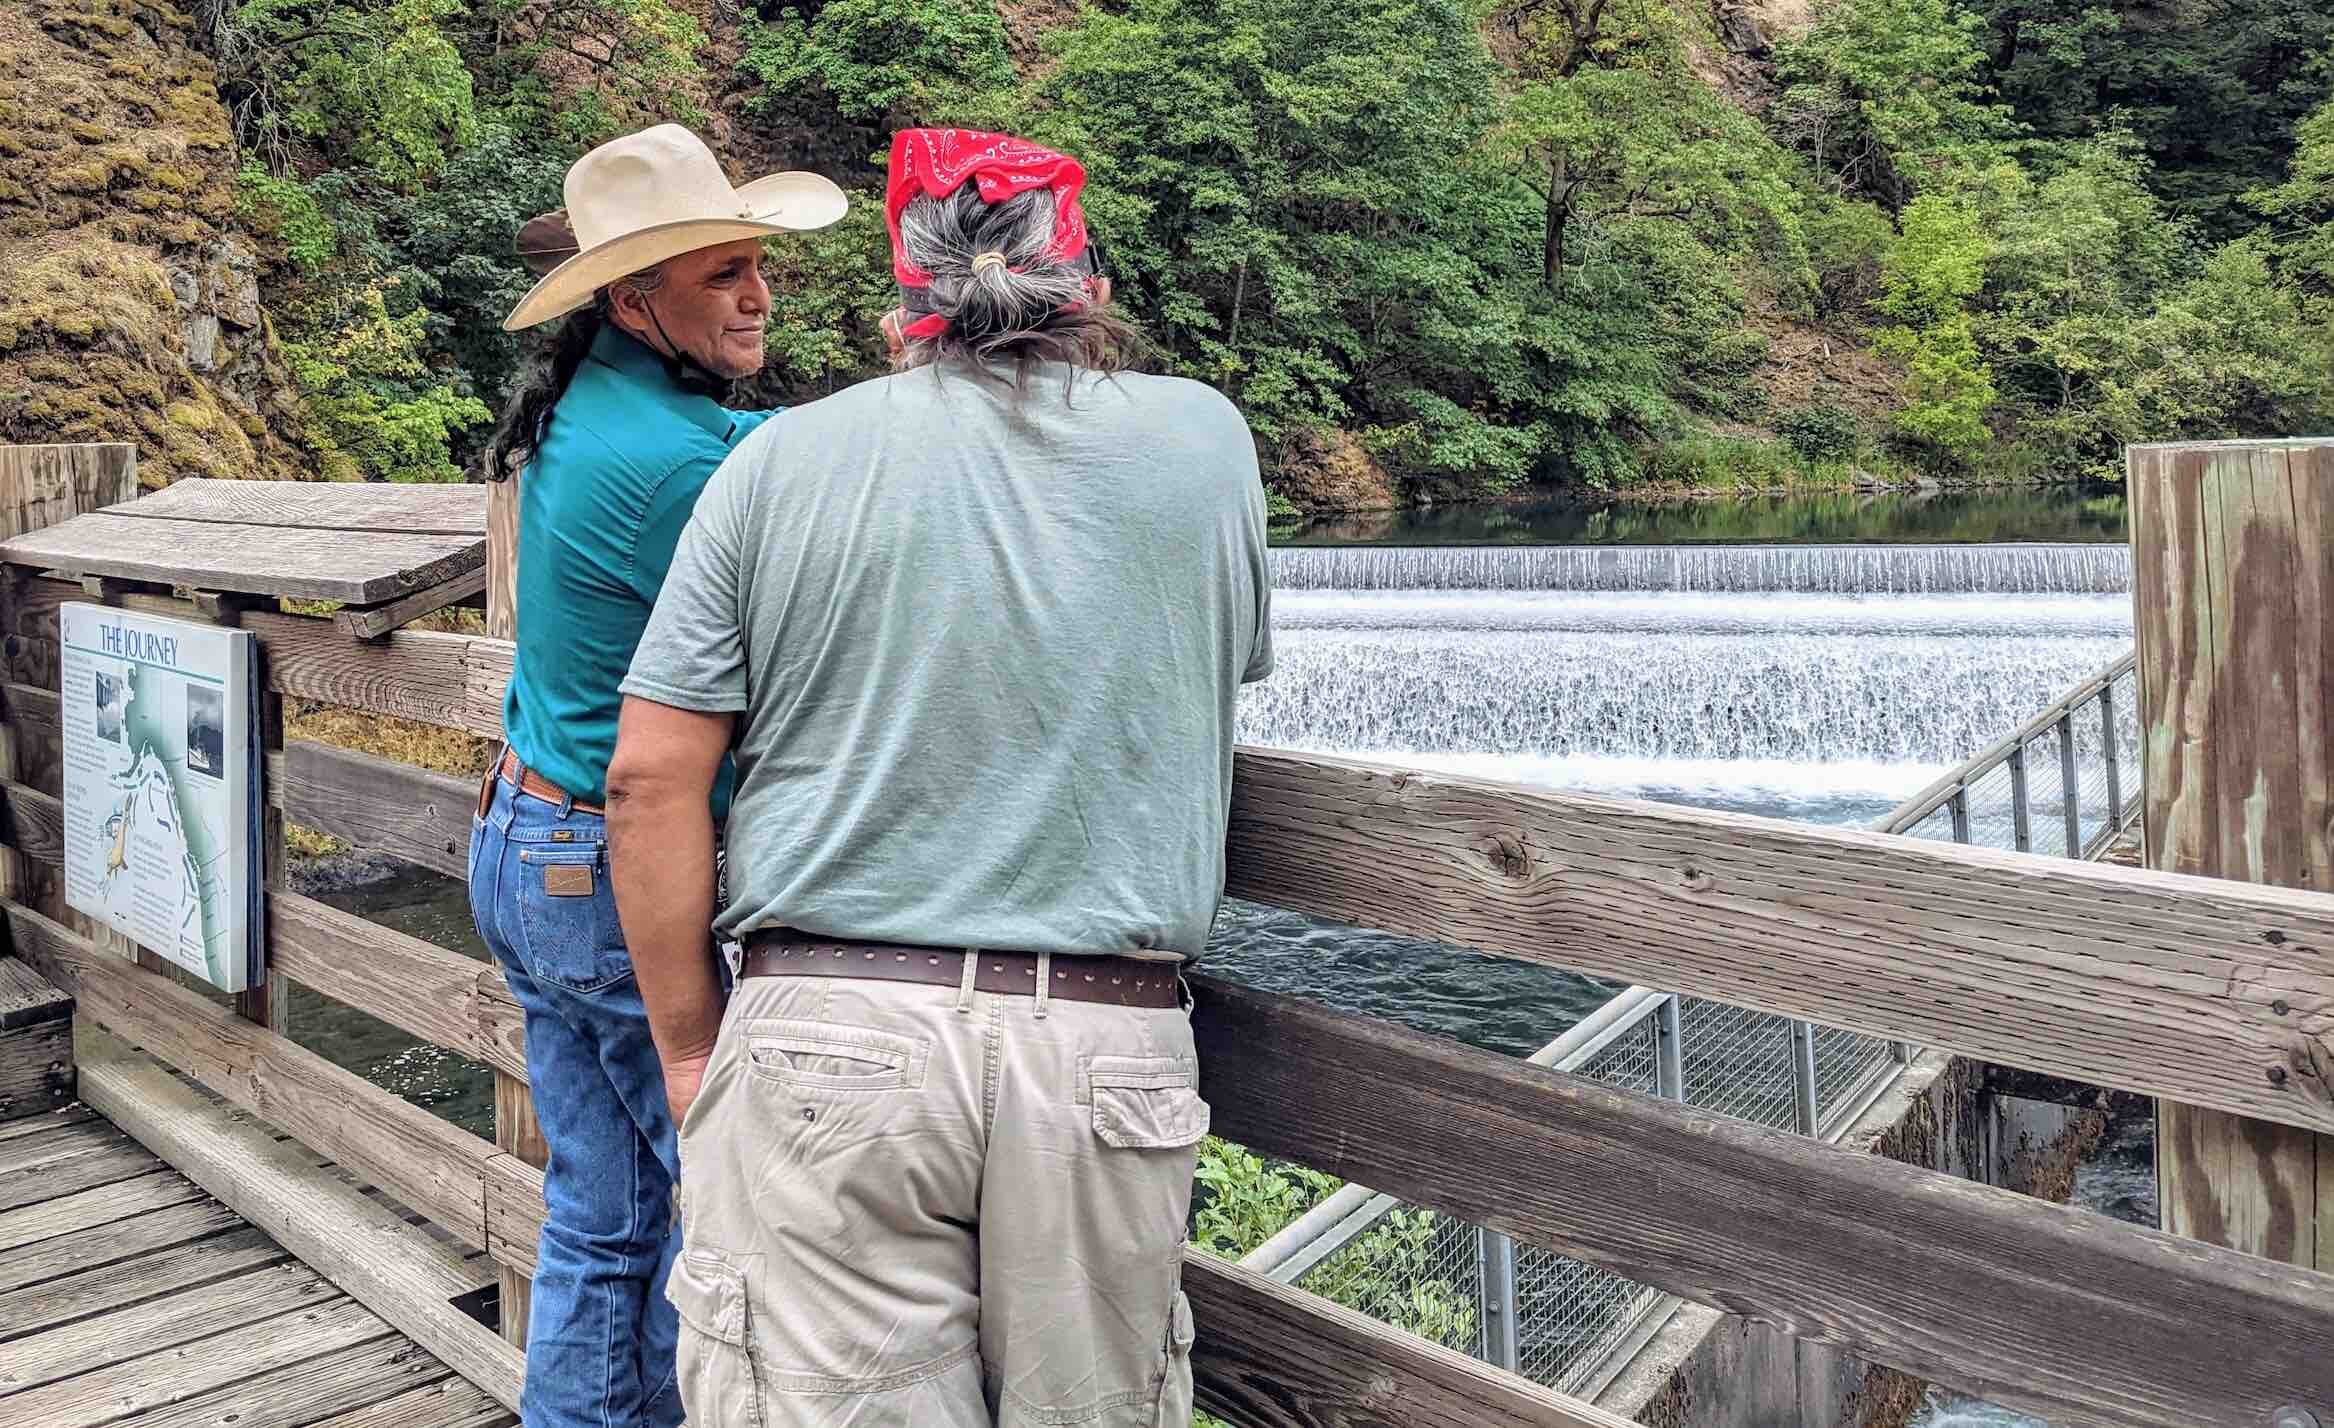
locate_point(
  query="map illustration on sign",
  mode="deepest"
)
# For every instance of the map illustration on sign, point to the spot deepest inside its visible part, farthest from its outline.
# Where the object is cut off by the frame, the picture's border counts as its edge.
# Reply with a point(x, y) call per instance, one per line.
point(161, 797)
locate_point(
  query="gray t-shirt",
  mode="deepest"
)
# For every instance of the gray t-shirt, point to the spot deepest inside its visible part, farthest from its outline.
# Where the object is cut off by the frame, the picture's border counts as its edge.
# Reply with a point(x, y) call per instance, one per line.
point(986, 649)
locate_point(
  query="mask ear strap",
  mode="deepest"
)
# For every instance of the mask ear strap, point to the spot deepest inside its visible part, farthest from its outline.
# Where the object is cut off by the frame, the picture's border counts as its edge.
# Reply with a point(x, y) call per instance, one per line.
point(681, 354)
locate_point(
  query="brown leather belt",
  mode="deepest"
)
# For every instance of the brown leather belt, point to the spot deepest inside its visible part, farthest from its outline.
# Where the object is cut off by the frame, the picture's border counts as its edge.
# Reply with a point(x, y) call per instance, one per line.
point(532, 784)
point(1118, 981)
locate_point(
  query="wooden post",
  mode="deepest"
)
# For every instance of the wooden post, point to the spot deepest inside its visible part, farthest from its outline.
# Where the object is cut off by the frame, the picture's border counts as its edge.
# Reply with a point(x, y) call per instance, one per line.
point(42, 486)
point(515, 1128)
point(2233, 589)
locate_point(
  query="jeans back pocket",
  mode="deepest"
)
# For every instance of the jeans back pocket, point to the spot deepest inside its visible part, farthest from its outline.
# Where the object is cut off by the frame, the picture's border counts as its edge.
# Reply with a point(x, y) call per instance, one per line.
point(567, 912)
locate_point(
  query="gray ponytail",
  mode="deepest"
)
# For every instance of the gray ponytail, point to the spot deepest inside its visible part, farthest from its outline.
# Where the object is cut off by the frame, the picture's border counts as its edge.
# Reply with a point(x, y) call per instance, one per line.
point(1002, 296)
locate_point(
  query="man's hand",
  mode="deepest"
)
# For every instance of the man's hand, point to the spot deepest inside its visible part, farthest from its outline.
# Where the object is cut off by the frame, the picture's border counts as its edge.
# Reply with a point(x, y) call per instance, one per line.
point(684, 1078)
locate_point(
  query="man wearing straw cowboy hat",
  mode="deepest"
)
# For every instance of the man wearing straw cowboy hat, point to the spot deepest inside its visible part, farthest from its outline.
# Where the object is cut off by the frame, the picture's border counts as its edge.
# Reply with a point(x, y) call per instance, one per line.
point(975, 630)
point(617, 428)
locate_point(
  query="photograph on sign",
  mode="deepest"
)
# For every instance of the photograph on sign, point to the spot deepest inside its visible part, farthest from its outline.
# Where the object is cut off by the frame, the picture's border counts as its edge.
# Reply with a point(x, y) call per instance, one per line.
point(161, 783)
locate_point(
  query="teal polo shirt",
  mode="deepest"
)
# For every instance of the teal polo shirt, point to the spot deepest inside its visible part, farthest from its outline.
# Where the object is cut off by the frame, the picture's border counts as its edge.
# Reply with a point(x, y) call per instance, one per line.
point(601, 507)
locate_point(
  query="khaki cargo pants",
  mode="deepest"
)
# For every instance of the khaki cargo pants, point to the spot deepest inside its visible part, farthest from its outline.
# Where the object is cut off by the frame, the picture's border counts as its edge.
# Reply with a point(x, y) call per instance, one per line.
point(909, 1207)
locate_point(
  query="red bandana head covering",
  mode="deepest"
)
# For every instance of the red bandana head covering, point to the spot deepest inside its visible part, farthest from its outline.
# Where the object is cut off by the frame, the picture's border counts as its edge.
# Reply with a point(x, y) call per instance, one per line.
point(934, 163)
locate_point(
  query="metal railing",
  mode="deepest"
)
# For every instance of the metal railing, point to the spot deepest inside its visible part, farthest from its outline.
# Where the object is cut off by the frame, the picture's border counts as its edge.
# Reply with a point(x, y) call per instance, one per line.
point(2064, 783)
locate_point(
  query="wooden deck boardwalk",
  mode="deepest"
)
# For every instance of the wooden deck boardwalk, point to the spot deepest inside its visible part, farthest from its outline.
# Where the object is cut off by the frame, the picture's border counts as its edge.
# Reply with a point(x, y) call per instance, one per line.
point(130, 1296)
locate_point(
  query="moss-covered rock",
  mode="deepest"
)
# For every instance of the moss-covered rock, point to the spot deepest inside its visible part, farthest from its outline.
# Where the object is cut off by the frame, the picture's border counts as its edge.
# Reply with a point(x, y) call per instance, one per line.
point(131, 308)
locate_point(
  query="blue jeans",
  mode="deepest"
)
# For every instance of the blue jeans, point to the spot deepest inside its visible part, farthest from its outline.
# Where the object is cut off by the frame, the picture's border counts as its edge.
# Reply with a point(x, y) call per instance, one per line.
point(600, 1339)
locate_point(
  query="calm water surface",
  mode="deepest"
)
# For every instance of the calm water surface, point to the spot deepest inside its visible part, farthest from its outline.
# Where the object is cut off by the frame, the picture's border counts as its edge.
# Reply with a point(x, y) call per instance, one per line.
point(2065, 512)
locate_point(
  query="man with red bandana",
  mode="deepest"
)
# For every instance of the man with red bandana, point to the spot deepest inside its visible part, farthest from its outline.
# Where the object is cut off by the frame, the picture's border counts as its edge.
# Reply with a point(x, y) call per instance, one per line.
point(974, 633)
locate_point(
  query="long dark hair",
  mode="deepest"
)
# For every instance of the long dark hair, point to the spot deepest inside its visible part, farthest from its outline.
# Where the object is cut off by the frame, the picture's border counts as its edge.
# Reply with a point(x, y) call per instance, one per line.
point(526, 417)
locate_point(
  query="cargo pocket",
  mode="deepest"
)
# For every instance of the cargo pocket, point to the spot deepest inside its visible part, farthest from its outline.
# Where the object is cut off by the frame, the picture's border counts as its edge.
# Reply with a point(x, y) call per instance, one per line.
point(1175, 1389)
point(1145, 1102)
point(715, 1360)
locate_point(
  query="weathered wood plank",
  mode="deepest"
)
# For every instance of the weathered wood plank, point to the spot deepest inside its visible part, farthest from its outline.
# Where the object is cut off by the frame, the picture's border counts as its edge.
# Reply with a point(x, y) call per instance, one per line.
point(65, 1115)
point(104, 1288)
point(2233, 591)
point(517, 1132)
point(68, 1214)
point(502, 558)
point(41, 486)
point(191, 1312)
point(454, 681)
point(2136, 980)
point(513, 1192)
point(44, 485)
point(402, 1273)
point(380, 804)
point(1270, 1356)
point(36, 1069)
point(370, 622)
point(32, 823)
point(442, 997)
point(358, 567)
point(424, 1161)
point(104, 1245)
point(451, 1403)
point(56, 1143)
point(82, 1168)
point(27, 998)
point(2056, 1311)
point(389, 507)
point(293, 1396)
point(173, 1375)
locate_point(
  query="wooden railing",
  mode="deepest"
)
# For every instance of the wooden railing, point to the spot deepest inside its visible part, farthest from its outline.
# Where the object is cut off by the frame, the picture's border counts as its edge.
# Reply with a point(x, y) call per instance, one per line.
point(2144, 981)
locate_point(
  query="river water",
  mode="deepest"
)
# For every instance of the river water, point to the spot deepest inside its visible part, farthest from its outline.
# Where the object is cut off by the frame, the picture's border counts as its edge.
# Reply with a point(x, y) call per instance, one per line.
point(1811, 669)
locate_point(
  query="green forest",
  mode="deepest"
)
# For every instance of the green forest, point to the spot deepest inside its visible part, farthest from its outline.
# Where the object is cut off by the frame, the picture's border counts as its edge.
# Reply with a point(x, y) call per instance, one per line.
point(1438, 248)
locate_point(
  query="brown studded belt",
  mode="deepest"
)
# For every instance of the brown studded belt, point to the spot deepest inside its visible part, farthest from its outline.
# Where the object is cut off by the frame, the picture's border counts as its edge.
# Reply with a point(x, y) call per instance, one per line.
point(1117, 981)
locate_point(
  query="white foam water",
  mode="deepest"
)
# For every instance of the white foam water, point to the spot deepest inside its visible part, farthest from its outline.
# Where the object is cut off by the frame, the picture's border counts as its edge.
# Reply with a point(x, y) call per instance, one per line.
point(1829, 707)
point(1866, 569)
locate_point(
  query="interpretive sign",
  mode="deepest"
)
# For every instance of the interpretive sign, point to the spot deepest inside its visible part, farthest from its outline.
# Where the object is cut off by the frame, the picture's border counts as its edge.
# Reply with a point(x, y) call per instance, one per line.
point(162, 803)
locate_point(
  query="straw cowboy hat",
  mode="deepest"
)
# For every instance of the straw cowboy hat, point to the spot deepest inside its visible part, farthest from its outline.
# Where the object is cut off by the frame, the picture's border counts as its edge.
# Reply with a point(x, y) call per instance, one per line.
point(636, 201)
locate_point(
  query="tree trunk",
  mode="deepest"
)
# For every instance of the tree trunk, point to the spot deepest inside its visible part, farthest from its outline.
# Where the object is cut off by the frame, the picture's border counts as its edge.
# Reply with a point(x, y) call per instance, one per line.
point(1552, 241)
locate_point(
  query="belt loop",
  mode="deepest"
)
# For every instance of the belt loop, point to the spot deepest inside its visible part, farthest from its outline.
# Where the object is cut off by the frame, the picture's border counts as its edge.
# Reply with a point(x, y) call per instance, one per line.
point(566, 804)
point(964, 985)
point(1045, 983)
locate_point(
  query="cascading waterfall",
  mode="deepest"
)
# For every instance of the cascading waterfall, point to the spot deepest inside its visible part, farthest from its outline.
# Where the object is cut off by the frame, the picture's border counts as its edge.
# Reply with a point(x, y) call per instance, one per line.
point(1774, 678)
point(1822, 706)
point(1829, 569)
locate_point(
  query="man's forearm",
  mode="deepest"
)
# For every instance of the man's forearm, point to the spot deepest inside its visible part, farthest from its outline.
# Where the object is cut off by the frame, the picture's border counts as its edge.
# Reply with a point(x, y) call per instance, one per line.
point(661, 856)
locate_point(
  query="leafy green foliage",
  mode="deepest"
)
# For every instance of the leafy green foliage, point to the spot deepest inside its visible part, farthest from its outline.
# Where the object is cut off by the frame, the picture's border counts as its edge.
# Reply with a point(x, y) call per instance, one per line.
point(2301, 209)
point(1821, 432)
point(285, 209)
point(1564, 263)
point(1389, 1272)
point(381, 89)
point(1887, 95)
point(2213, 92)
point(904, 62)
point(368, 387)
point(1927, 281)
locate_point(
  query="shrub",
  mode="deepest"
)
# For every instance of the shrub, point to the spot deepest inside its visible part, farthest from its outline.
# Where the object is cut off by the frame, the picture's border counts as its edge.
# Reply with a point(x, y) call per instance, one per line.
point(1822, 432)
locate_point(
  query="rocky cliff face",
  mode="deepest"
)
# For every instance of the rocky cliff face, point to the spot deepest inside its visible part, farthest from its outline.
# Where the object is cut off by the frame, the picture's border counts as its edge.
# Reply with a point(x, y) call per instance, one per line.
point(129, 294)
